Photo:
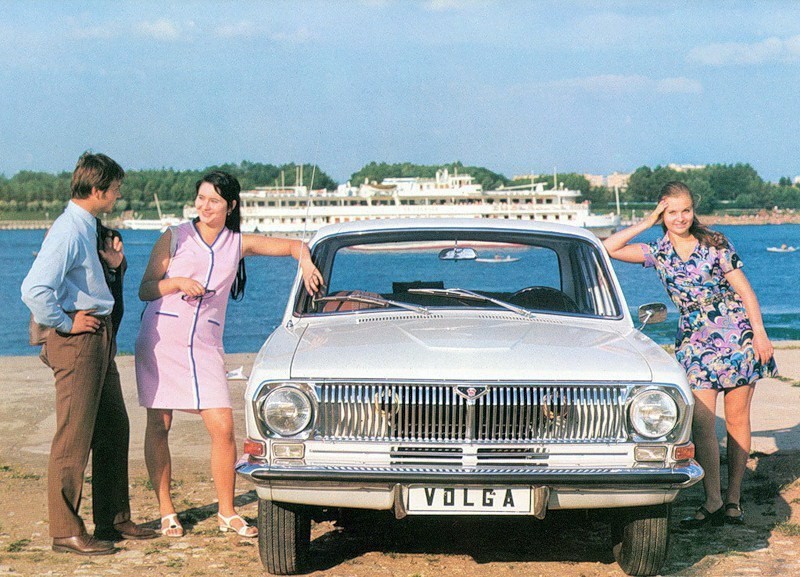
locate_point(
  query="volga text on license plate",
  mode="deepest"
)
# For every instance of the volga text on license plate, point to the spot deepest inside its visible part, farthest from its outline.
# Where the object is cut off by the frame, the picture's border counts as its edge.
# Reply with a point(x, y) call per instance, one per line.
point(469, 499)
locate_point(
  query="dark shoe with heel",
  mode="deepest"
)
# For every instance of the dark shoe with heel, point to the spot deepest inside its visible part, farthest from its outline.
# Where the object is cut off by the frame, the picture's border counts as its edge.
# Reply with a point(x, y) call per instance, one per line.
point(715, 519)
point(124, 530)
point(737, 518)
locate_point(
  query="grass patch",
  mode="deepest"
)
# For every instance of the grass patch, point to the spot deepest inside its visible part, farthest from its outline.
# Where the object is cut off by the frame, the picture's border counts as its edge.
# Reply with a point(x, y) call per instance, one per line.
point(785, 379)
point(29, 476)
point(788, 529)
point(142, 482)
point(18, 545)
point(17, 474)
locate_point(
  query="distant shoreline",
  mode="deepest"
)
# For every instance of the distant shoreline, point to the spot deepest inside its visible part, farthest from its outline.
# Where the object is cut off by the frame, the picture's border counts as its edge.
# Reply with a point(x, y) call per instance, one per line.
point(780, 216)
point(762, 217)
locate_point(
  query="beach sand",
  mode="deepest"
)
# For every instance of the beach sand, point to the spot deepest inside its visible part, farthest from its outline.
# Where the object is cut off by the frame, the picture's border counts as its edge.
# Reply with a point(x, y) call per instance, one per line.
point(567, 544)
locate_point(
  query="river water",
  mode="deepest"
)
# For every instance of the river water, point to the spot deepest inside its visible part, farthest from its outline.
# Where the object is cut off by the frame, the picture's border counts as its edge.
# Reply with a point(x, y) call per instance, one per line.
point(774, 277)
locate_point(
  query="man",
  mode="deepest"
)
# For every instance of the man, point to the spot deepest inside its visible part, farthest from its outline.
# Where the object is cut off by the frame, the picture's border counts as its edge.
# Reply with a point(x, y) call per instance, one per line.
point(67, 290)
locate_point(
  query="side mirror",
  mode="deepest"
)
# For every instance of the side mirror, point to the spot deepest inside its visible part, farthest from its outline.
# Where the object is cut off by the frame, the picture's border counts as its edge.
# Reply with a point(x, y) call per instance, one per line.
point(458, 253)
point(652, 313)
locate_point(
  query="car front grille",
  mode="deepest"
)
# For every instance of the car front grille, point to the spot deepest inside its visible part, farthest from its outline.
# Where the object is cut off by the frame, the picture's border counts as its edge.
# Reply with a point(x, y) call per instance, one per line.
point(505, 413)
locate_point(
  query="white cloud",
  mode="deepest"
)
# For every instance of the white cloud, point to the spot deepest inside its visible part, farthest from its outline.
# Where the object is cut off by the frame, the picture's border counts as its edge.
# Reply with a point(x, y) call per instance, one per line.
point(162, 29)
point(445, 5)
point(103, 32)
point(249, 29)
point(735, 53)
point(619, 83)
point(243, 29)
point(679, 85)
point(298, 36)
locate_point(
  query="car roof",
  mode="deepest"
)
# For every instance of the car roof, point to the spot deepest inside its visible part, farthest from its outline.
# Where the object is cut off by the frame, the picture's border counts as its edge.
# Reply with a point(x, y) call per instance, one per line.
point(483, 224)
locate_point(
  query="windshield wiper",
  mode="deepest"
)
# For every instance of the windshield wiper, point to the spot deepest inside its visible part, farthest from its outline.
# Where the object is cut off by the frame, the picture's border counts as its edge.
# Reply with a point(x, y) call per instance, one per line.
point(370, 299)
point(468, 294)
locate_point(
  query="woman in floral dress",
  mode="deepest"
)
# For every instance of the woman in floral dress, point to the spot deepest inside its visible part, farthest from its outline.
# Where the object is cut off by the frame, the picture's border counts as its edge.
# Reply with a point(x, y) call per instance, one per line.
point(721, 341)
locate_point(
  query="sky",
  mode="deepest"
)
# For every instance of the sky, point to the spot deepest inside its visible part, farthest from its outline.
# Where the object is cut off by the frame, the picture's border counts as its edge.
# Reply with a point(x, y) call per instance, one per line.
point(515, 86)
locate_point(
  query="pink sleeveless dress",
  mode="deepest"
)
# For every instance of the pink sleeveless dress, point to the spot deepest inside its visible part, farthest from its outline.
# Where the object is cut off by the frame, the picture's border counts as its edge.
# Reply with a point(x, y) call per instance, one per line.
point(179, 354)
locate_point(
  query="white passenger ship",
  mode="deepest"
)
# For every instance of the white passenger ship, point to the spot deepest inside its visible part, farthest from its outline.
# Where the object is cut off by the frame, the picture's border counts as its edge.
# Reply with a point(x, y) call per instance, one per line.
point(296, 210)
point(163, 221)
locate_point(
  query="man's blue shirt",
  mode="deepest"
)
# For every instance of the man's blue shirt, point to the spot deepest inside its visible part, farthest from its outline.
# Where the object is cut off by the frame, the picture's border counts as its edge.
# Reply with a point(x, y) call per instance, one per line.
point(67, 275)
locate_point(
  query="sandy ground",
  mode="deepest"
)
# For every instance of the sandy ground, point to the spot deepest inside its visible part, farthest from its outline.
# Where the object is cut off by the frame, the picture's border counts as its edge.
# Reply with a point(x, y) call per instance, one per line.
point(574, 544)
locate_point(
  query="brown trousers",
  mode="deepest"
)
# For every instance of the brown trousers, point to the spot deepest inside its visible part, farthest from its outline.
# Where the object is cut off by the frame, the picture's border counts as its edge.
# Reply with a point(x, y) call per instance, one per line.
point(90, 417)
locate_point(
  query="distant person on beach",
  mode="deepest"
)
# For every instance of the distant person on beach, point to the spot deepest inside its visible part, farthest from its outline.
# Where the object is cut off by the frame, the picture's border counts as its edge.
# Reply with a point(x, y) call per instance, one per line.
point(70, 289)
point(193, 268)
point(721, 340)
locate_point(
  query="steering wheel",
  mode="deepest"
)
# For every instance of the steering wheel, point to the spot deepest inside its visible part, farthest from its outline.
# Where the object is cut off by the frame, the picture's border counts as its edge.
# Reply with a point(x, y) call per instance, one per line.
point(544, 298)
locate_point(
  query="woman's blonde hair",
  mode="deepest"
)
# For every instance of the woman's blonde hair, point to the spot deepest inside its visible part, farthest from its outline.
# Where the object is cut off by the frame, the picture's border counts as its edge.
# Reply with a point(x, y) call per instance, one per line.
point(701, 232)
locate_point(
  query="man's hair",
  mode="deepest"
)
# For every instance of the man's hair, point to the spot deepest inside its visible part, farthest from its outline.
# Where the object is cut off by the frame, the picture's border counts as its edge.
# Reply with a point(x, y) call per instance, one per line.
point(94, 171)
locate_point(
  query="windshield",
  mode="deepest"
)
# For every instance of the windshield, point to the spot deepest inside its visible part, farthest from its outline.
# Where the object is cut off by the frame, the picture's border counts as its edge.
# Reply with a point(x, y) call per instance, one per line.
point(518, 272)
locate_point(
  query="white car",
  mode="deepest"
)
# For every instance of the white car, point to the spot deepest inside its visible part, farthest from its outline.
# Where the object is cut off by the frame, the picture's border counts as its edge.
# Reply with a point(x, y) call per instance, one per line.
point(465, 367)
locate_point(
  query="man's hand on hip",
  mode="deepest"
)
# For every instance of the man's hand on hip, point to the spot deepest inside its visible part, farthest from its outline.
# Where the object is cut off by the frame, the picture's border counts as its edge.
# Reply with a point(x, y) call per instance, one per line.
point(84, 322)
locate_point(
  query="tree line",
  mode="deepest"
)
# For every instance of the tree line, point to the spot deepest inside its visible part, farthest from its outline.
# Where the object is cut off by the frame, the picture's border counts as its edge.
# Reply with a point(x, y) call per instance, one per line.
point(38, 193)
point(736, 186)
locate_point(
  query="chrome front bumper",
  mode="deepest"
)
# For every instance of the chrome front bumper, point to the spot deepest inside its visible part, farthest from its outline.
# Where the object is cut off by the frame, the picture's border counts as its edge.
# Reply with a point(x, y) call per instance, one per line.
point(382, 487)
point(678, 477)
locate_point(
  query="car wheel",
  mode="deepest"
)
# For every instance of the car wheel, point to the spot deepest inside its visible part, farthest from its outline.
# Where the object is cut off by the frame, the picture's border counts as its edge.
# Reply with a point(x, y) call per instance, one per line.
point(284, 535)
point(641, 538)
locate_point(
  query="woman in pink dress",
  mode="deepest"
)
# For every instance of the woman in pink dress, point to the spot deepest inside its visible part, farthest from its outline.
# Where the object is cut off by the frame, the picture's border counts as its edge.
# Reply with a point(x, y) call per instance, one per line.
point(179, 354)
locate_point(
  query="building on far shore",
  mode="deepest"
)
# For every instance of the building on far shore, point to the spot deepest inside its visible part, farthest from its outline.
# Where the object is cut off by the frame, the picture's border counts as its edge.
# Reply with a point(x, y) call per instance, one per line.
point(617, 180)
point(614, 180)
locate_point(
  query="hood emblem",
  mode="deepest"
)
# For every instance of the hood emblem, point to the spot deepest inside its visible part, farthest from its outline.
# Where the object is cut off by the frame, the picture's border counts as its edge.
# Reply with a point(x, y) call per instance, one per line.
point(471, 392)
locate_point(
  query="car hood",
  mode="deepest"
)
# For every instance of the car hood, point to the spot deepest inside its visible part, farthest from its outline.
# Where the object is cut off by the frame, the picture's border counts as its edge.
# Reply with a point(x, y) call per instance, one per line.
point(485, 347)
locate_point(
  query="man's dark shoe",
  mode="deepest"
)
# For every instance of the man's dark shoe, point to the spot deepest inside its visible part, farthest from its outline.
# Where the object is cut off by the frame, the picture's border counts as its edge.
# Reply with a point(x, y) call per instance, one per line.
point(83, 544)
point(124, 530)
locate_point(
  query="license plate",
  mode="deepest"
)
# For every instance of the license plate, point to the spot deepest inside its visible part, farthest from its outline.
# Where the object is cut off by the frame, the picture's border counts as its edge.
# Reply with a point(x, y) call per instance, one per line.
point(464, 500)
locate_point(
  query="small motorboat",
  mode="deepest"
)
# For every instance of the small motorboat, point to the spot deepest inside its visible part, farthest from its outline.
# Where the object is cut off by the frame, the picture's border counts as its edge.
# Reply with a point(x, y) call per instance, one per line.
point(237, 374)
point(498, 258)
point(782, 248)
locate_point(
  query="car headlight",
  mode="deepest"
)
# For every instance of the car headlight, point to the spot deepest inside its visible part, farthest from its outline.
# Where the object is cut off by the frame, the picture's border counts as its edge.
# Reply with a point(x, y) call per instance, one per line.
point(286, 410)
point(653, 413)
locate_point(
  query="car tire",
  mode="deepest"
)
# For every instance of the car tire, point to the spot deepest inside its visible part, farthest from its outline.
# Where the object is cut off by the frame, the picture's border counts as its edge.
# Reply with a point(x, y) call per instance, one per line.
point(284, 536)
point(641, 539)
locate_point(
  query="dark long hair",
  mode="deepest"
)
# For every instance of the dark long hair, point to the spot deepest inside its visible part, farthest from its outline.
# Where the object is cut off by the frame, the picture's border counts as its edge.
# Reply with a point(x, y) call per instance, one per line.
point(226, 185)
point(701, 232)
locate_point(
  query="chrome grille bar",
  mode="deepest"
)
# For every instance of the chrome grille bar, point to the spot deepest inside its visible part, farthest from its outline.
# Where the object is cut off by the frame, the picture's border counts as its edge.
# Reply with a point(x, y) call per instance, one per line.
point(506, 413)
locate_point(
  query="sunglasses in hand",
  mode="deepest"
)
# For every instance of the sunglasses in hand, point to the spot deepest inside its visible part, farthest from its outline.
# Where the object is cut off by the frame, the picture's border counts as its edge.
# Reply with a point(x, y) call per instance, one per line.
point(195, 298)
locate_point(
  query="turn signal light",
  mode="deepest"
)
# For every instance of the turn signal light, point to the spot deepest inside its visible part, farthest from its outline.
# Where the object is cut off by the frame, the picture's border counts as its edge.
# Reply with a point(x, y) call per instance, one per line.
point(683, 452)
point(254, 448)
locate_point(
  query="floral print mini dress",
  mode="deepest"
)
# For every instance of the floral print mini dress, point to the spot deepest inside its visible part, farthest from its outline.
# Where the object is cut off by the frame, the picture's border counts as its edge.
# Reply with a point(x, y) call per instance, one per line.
point(714, 342)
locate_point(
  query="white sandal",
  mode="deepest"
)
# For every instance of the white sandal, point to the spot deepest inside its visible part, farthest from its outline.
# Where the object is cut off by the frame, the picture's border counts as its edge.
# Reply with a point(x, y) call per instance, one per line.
point(173, 524)
point(244, 531)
